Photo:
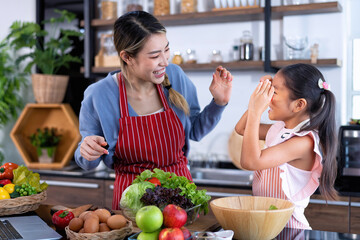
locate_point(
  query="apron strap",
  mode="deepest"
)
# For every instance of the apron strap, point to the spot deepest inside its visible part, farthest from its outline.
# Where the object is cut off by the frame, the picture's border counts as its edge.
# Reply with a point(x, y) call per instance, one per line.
point(123, 103)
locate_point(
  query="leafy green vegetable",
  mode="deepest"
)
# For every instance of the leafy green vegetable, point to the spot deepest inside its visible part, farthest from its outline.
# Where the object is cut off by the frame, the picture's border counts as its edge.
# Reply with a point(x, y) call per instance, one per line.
point(22, 175)
point(171, 180)
point(130, 198)
point(272, 207)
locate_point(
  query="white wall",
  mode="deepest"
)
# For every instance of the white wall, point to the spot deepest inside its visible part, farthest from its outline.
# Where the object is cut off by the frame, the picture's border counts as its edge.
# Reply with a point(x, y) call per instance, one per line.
point(10, 12)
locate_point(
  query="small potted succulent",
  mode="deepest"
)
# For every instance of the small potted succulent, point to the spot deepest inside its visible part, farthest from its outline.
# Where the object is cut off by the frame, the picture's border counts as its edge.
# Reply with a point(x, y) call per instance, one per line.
point(45, 140)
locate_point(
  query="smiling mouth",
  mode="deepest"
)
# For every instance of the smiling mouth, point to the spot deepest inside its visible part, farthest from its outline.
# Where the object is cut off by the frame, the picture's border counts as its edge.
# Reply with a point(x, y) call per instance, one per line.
point(159, 74)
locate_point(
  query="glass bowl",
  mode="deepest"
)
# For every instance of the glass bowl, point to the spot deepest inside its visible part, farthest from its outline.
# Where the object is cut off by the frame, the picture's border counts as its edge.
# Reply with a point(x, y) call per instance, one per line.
point(192, 213)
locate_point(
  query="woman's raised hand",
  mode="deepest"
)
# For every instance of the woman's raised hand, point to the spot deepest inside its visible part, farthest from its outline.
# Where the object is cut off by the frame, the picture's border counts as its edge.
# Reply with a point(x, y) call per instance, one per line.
point(93, 147)
point(221, 86)
point(261, 97)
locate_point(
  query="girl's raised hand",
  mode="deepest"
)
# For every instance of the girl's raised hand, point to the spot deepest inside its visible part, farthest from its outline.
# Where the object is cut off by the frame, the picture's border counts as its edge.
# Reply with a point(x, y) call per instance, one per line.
point(221, 86)
point(261, 97)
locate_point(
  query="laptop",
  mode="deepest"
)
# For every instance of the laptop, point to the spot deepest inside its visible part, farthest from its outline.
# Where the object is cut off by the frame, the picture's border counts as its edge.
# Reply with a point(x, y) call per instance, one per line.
point(26, 228)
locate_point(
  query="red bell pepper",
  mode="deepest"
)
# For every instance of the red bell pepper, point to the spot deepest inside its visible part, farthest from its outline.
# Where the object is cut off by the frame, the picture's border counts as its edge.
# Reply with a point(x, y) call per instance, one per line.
point(5, 181)
point(6, 170)
point(62, 218)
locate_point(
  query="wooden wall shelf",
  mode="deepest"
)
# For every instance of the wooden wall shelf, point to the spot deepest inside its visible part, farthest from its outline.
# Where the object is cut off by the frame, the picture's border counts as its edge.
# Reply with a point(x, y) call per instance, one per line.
point(236, 66)
point(247, 14)
point(34, 116)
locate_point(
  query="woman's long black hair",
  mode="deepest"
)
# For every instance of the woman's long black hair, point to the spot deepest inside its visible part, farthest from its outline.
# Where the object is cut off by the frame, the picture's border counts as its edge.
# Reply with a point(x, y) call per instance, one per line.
point(303, 82)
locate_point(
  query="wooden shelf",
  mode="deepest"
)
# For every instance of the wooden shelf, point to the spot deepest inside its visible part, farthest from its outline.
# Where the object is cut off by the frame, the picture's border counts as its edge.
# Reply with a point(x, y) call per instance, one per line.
point(247, 14)
point(34, 116)
point(236, 66)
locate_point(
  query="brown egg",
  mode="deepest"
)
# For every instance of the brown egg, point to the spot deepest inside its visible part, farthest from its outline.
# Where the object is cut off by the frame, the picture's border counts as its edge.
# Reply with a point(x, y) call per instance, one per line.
point(81, 230)
point(103, 214)
point(91, 225)
point(103, 227)
point(91, 215)
point(82, 215)
point(76, 224)
point(116, 221)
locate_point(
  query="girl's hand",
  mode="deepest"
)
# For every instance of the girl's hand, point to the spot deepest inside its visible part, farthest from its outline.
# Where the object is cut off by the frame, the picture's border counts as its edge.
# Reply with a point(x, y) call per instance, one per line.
point(261, 97)
point(221, 86)
point(93, 147)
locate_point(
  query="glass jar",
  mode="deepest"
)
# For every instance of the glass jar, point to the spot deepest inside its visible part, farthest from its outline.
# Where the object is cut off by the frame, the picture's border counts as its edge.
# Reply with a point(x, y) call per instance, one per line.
point(216, 56)
point(161, 7)
point(133, 5)
point(188, 6)
point(177, 59)
point(246, 46)
point(108, 9)
point(190, 56)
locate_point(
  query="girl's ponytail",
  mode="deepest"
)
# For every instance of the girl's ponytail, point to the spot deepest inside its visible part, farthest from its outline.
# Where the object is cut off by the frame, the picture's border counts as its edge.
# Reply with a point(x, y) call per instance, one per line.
point(175, 97)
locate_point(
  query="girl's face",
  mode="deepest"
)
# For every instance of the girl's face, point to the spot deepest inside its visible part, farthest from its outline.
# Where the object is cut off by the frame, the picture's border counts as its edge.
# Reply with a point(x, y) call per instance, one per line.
point(150, 62)
point(281, 105)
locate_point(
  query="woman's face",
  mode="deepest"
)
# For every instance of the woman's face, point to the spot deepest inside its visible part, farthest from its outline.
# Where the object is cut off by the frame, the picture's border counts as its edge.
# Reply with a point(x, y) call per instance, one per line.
point(281, 105)
point(150, 62)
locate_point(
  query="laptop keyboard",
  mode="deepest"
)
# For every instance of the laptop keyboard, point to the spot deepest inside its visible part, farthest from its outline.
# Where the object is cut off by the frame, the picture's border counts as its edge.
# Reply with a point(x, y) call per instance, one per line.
point(7, 231)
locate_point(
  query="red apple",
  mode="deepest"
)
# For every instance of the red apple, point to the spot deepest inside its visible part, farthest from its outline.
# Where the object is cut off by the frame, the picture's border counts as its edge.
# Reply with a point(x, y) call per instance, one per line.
point(174, 216)
point(186, 232)
point(171, 234)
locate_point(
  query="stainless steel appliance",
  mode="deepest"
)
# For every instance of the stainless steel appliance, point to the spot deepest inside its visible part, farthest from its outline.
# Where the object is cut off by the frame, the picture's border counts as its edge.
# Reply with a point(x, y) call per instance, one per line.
point(349, 151)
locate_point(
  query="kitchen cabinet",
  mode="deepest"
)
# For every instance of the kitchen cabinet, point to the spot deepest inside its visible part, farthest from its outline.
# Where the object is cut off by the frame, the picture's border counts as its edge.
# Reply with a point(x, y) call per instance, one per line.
point(109, 190)
point(73, 192)
point(355, 215)
point(268, 13)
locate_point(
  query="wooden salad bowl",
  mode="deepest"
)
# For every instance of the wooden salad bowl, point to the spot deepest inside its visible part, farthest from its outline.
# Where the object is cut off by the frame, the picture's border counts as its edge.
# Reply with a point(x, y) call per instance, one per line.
point(250, 218)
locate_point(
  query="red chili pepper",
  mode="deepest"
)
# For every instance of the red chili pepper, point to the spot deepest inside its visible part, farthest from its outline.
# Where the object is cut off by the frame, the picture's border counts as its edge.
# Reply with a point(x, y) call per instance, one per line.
point(61, 219)
point(6, 170)
point(5, 181)
point(154, 181)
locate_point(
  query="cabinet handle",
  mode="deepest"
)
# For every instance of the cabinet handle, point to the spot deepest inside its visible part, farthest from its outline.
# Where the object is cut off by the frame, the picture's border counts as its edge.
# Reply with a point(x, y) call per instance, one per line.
point(71, 184)
point(222, 194)
point(355, 204)
point(336, 203)
point(111, 187)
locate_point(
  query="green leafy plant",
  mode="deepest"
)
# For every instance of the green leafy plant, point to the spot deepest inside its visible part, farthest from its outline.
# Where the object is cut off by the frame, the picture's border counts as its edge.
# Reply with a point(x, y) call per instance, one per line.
point(50, 55)
point(12, 80)
point(45, 138)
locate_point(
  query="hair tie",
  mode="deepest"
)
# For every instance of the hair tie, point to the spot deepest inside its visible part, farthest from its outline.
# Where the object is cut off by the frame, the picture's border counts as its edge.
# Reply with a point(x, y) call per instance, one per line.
point(323, 85)
point(168, 87)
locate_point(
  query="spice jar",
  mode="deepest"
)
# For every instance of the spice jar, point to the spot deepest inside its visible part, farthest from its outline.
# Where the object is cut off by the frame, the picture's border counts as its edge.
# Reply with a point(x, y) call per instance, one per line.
point(188, 6)
point(108, 9)
point(177, 59)
point(216, 56)
point(191, 56)
point(133, 5)
point(246, 47)
point(161, 7)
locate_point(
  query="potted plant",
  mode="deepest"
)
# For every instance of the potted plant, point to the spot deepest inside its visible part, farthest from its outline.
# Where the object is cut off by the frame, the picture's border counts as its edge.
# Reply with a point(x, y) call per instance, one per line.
point(45, 140)
point(12, 81)
point(48, 55)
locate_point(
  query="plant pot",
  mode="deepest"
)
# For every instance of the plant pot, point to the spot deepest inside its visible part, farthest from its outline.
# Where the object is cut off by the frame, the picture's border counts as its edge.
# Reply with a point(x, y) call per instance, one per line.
point(49, 88)
point(47, 155)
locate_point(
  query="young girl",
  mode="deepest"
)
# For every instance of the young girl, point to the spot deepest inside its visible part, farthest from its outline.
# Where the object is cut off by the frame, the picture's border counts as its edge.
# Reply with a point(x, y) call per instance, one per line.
point(301, 147)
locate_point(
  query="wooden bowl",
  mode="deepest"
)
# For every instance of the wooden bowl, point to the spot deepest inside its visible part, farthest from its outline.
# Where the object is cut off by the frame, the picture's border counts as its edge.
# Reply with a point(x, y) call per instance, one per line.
point(250, 218)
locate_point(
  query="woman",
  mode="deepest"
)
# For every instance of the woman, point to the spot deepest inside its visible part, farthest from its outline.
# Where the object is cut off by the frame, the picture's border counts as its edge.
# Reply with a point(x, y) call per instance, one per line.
point(147, 112)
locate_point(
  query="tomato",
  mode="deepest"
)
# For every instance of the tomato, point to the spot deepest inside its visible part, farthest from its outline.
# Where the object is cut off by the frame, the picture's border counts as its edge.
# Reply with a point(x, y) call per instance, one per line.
point(6, 170)
point(154, 181)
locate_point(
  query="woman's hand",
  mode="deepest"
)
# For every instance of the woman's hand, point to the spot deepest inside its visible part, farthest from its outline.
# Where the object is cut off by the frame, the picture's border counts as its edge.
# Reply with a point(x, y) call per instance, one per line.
point(93, 147)
point(261, 97)
point(221, 86)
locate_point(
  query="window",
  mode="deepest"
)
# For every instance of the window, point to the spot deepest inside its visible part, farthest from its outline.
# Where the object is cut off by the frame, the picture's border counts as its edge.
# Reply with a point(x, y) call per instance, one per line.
point(355, 89)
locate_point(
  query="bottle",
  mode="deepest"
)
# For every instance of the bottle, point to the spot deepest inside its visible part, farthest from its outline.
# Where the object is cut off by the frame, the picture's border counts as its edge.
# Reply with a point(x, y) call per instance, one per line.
point(191, 56)
point(108, 9)
point(216, 56)
point(133, 5)
point(161, 7)
point(177, 59)
point(246, 47)
point(235, 53)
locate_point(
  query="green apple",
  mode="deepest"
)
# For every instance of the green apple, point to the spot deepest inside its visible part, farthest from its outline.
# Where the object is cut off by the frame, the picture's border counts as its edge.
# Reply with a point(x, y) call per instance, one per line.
point(149, 236)
point(149, 218)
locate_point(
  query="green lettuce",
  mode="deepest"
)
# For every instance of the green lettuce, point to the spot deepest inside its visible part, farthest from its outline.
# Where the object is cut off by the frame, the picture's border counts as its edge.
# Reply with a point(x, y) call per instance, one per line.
point(23, 175)
point(130, 198)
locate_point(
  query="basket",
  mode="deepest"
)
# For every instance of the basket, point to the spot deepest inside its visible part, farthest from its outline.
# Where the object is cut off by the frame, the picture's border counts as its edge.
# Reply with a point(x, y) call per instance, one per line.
point(49, 88)
point(112, 235)
point(21, 204)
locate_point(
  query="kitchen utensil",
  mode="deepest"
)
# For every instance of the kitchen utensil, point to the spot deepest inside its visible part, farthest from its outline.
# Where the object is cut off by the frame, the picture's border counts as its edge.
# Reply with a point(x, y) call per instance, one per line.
point(249, 216)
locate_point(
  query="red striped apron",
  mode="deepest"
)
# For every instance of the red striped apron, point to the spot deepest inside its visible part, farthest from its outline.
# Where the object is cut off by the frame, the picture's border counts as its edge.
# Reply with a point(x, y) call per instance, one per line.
point(147, 142)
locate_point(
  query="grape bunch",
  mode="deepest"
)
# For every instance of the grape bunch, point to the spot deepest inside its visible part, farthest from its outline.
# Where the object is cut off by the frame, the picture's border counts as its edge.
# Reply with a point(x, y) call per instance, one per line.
point(26, 190)
point(161, 197)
